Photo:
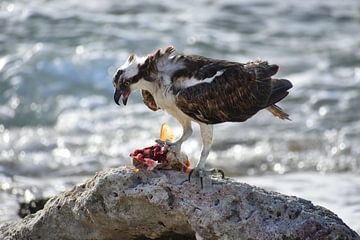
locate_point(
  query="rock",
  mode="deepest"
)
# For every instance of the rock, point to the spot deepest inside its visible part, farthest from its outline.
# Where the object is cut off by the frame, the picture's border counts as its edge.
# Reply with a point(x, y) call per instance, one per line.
point(121, 204)
point(27, 208)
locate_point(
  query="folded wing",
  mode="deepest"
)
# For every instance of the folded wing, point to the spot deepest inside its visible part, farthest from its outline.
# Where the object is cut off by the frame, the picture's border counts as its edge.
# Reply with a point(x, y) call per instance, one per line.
point(240, 91)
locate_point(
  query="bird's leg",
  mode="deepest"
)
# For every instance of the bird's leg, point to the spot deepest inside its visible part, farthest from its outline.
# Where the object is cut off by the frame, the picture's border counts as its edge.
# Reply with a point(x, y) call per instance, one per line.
point(206, 135)
point(187, 132)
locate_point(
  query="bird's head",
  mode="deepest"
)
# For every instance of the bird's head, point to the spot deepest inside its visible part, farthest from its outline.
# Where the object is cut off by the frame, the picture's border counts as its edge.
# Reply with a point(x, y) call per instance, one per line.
point(138, 73)
point(127, 78)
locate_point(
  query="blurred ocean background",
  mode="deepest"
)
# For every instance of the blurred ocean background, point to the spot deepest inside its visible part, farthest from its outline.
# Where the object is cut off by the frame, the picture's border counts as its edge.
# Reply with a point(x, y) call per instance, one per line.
point(59, 124)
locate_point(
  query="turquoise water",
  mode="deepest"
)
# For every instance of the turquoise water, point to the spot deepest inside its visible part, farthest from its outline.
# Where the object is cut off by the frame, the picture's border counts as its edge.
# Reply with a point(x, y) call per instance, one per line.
point(59, 125)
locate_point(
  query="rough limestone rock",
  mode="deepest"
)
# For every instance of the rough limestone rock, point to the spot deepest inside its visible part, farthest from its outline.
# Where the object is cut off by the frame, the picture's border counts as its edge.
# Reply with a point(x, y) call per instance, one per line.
point(121, 204)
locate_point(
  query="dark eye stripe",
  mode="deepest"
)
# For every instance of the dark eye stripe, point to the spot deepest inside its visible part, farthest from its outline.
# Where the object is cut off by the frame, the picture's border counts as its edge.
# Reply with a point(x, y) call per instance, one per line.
point(134, 79)
point(117, 75)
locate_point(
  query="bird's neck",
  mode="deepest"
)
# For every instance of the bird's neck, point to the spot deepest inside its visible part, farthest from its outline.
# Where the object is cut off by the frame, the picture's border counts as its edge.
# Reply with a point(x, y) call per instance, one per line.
point(156, 74)
point(143, 84)
point(149, 86)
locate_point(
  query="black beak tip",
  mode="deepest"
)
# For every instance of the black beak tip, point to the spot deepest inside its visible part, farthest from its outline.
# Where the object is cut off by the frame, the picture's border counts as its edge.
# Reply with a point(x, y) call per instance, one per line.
point(117, 96)
point(116, 100)
point(124, 100)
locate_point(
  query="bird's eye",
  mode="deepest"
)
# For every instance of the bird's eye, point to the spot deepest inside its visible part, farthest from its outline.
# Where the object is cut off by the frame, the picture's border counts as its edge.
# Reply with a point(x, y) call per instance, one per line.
point(127, 83)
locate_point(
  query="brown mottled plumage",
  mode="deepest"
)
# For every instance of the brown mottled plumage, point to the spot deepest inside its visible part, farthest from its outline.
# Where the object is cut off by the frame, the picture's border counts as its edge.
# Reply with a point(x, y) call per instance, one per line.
point(236, 95)
point(200, 89)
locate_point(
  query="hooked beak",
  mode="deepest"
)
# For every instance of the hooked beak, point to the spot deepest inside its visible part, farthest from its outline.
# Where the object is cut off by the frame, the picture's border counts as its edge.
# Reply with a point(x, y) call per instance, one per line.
point(121, 92)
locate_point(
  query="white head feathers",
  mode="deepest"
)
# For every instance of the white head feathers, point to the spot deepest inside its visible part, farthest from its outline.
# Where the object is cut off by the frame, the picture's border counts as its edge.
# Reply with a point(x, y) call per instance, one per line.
point(131, 66)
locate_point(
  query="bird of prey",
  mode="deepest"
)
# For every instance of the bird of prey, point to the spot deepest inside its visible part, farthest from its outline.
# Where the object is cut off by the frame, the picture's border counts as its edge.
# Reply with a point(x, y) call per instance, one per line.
point(198, 89)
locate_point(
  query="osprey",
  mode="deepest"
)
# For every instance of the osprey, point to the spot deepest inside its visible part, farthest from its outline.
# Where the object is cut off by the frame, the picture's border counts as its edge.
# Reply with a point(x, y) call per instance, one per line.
point(203, 90)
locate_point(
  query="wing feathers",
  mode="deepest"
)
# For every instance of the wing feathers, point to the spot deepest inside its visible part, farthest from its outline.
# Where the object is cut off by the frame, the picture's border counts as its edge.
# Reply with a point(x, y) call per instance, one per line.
point(264, 71)
point(279, 89)
point(235, 95)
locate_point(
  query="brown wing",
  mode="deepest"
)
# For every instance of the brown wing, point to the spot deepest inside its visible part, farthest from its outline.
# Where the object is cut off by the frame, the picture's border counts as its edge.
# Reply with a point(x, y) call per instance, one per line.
point(149, 100)
point(199, 67)
point(236, 95)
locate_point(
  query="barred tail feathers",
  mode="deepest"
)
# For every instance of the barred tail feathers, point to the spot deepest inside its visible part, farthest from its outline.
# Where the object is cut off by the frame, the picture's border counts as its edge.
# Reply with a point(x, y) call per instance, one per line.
point(278, 112)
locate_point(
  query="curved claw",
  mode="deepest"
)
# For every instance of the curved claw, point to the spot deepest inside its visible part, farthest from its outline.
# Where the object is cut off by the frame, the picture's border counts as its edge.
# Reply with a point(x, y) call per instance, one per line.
point(190, 173)
point(200, 175)
point(219, 171)
point(204, 173)
point(160, 142)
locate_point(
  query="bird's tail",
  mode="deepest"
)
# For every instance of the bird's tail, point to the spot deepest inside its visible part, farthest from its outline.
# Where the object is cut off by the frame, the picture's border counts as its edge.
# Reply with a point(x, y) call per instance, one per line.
point(278, 112)
point(279, 90)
